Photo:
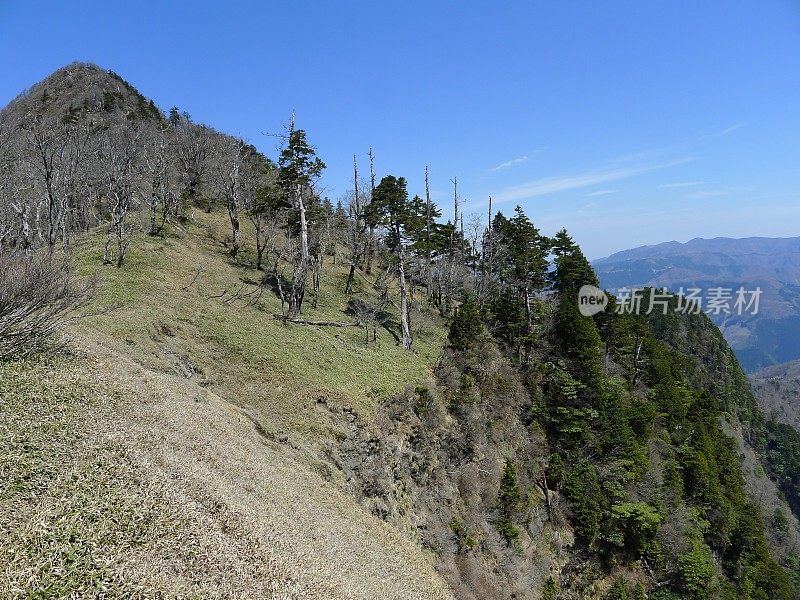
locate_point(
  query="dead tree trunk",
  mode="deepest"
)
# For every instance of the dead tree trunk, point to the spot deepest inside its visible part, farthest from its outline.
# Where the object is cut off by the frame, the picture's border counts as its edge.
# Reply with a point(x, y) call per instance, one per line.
point(301, 272)
point(529, 325)
point(371, 240)
point(118, 214)
point(461, 241)
point(233, 213)
point(404, 325)
point(157, 165)
point(233, 201)
point(65, 210)
point(356, 250)
point(428, 250)
point(23, 209)
point(488, 266)
point(318, 261)
point(259, 225)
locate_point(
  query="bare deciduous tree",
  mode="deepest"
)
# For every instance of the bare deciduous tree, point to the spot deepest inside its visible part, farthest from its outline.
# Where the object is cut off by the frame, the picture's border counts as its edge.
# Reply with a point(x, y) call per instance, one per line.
point(266, 213)
point(231, 181)
point(358, 240)
point(161, 193)
point(192, 145)
point(118, 153)
point(43, 154)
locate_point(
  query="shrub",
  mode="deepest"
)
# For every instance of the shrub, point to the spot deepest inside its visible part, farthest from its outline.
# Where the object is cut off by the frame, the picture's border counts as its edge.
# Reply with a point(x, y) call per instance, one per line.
point(509, 503)
point(780, 523)
point(636, 524)
point(38, 296)
point(639, 593)
point(664, 594)
point(696, 570)
point(618, 591)
point(550, 590)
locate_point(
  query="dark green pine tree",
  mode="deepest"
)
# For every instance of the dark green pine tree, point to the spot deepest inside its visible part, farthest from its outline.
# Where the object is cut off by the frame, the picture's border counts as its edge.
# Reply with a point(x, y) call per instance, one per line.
point(298, 165)
point(391, 209)
point(578, 335)
point(561, 244)
point(441, 234)
point(579, 339)
point(586, 498)
point(499, 268)
point(174, 116)
point(421, 240)
point(519, 264)
point(572, 269)
point(509, 503)
point(528, 252)
point(466, 327)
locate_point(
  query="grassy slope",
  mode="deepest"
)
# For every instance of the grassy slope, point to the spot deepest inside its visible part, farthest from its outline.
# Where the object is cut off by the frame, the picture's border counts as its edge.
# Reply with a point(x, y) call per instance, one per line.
point(135, 466)
point(278, 371)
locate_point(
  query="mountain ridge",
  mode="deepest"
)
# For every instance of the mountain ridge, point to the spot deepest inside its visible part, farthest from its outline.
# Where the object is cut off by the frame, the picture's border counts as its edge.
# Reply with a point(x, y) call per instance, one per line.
point(520, 449)
point(771, 264)
point(660, 249)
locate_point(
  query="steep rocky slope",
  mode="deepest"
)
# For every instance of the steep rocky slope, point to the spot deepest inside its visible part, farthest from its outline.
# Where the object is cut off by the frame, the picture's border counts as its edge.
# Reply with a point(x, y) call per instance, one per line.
point(83, 90)
point(778, 391)
point(143, 467)
point(197, 424)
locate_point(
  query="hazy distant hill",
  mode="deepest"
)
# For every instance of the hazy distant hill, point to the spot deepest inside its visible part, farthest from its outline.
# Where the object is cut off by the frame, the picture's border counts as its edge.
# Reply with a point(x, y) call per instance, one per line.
point(773, 335)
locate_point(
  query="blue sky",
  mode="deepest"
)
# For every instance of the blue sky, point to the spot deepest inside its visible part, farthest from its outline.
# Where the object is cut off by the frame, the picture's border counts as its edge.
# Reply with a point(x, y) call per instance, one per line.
point(629, 123)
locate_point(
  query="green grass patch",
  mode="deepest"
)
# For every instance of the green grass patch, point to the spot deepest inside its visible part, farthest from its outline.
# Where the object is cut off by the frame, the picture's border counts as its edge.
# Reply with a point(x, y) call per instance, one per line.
point(168, 319)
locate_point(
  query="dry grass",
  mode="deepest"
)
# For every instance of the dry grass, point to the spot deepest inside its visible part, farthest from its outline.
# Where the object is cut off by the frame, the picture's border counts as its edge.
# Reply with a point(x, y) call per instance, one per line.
point(122, 482)
point(176, 454)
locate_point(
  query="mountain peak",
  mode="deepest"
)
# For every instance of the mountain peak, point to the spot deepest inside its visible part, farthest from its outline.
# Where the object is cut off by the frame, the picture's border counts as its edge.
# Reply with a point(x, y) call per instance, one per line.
point(86, 88)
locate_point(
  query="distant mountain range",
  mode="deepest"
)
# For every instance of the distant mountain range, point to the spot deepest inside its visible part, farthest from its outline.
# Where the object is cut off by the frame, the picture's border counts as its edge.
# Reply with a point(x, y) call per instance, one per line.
point(772, 264)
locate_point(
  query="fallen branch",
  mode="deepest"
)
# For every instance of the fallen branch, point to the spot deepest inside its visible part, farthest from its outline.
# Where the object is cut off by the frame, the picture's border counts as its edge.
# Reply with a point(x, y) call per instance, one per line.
point(285, 319)
point(191, 283)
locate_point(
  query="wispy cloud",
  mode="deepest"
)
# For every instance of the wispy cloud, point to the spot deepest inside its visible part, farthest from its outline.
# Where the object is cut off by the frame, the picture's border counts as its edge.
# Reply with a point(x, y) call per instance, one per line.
point(511, 163)
point(551, 185)
point(601, 193)
point(707, 194)
point(718, 134)
point(683, 184)
point(719, 191)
